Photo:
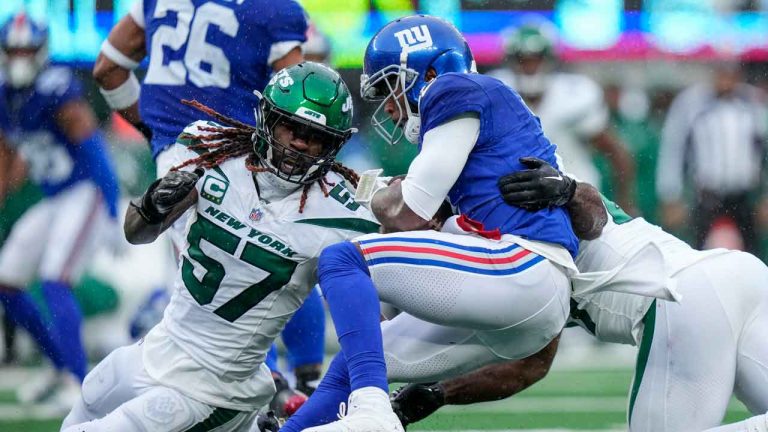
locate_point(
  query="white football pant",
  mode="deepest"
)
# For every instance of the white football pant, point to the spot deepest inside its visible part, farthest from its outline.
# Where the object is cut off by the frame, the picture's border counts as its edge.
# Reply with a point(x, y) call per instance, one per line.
point(56, 238)
point(467, 301)
point(703, 349)
point(119, 396)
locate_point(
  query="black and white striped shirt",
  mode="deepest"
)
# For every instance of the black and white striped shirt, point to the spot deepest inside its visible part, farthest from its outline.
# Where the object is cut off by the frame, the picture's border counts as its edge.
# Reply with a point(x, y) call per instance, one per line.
point(719, 141)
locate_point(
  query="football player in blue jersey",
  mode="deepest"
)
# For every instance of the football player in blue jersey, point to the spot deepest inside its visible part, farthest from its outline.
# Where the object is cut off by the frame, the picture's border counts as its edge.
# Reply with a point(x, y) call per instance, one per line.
point(216, 53)
point(468, 300)
point(45, 120)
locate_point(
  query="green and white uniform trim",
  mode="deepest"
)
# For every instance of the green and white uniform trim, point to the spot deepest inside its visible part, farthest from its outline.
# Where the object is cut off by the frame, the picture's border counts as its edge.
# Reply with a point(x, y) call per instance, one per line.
point(246, 266)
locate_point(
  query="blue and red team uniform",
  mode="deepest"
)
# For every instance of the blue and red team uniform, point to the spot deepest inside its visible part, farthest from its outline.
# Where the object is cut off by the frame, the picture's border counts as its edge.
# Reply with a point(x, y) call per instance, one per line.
point(62, 169)
point(508, 132)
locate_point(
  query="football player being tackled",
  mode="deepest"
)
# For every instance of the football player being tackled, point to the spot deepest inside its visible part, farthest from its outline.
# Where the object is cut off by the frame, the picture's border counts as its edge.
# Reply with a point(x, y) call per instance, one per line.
point(467, 300)
point(262, 203)
point(693, 355)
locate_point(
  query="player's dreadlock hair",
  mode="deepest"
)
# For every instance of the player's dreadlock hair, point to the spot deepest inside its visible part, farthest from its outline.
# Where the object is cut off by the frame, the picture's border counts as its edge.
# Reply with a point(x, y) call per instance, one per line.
point(235, 139)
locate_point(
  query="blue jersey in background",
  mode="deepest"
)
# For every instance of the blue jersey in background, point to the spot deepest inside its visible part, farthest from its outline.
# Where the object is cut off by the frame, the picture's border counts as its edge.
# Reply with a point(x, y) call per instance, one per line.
point(213, 51)
point(508, 131)
point(28, 119)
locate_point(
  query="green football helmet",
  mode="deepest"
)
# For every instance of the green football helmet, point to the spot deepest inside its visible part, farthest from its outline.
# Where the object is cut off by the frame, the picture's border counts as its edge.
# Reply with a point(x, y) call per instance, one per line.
point(529, 40)
point(314, 103)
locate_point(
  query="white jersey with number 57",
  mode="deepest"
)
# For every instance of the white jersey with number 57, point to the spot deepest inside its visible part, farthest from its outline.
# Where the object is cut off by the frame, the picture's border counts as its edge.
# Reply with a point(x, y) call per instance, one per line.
point(248, 261)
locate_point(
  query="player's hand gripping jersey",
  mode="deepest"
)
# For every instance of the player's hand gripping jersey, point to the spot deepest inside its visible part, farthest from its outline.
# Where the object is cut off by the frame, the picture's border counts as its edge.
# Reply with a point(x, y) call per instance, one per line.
point(214, 52)
point(247, 265)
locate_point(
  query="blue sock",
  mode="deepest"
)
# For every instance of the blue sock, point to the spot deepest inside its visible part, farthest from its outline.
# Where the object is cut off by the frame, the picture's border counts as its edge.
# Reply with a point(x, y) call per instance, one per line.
point(304, 335)
point(323, 406)
point(23, 311)
point(271, 360)
point(66, 319)
point(355, 310)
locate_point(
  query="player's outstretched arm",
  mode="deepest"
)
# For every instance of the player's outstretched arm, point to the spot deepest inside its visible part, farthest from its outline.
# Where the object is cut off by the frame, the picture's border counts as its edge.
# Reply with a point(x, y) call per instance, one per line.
point(120, 54)
point(415, 402)
point(161, 205)
point(542, 186)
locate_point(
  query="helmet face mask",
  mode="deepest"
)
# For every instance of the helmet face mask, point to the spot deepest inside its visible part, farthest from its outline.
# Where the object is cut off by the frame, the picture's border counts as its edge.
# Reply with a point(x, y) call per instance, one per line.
point(391, 82)
point(304, 119)
point(396, 63)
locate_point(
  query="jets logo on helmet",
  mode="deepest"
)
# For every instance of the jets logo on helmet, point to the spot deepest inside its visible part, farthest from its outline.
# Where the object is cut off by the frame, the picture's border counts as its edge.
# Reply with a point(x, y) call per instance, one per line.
point(347, 107)
point(414, 38)
point(314, 104)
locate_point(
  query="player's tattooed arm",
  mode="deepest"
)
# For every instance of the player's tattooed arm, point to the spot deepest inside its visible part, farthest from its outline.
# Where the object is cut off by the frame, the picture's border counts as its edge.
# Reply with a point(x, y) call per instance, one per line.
point(160, 206)
point(415, 402)
point(542, 185)
point(588, 215)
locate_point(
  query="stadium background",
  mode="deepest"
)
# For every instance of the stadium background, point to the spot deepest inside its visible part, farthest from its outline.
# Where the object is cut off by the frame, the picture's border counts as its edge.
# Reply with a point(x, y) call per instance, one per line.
point(641, 52)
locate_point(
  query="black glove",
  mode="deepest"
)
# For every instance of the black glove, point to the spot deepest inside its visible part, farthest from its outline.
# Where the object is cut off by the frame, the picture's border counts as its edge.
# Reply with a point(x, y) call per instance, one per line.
point(415, 402)
point(538, 187)
point(165, 193)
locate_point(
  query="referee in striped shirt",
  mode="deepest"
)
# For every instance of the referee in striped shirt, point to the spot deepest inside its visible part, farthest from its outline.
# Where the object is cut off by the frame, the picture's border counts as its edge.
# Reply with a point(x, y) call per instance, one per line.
point(714, 137)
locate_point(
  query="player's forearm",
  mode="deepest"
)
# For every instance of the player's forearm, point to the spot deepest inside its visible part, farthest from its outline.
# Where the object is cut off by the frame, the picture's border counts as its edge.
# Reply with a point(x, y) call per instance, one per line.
point(393, 213)
point(138, 230)
point(588, 216)
point(499, 381)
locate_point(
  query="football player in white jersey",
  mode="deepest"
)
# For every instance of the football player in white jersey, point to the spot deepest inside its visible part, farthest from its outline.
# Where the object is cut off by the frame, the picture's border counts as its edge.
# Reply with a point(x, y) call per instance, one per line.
point(693, 355)
point(571, 108)
point(262, 203)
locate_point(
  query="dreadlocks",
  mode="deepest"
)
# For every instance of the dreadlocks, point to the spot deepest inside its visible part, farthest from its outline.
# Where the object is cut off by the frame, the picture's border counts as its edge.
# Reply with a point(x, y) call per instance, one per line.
point(234, 140)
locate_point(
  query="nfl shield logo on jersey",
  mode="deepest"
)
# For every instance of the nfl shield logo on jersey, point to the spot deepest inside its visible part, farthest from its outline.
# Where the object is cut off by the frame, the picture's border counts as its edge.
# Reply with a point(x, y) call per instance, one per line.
point(256, 215)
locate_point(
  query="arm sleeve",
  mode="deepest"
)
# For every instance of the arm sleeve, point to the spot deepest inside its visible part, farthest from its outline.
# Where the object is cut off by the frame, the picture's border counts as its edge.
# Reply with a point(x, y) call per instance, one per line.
point(137, 13)
point(444, 152)
point(674, 135)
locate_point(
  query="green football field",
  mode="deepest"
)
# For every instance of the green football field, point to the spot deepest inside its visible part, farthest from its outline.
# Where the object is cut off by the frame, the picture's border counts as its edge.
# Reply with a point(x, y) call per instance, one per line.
point(581, 400)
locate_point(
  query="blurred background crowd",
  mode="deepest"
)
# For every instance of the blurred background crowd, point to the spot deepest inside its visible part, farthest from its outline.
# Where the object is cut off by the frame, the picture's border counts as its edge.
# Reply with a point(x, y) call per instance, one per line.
point(660, 104)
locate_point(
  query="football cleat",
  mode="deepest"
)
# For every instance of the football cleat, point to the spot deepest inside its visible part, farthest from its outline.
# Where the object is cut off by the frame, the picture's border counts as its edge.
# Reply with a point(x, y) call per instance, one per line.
point(369, 411)
point(286, 400)
point(307, 378)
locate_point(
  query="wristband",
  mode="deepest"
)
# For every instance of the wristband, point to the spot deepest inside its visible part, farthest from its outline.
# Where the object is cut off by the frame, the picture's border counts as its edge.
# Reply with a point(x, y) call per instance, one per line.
point(125, 95)
point(117, 57)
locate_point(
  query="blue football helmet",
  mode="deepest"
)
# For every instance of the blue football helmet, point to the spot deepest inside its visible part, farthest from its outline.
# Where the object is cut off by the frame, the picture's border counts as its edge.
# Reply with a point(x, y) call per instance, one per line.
point(396, 62)
point(23, 49)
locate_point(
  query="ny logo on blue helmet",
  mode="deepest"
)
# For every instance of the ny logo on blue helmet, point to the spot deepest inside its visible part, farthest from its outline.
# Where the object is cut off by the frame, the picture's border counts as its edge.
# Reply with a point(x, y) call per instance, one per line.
point(396, 63)
point(414, 38)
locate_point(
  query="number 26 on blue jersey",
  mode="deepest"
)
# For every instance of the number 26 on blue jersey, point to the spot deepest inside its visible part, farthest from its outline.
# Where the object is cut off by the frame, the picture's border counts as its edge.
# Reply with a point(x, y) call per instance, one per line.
point(203, 64)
